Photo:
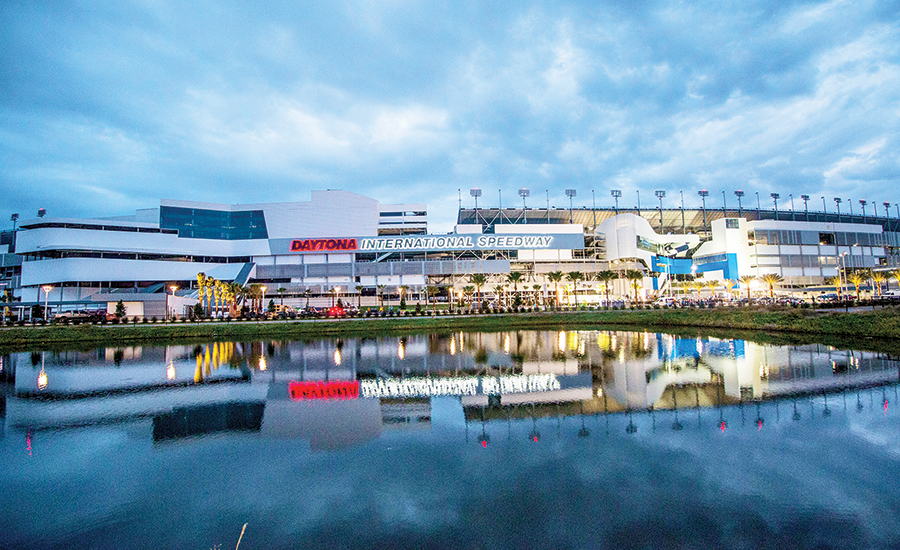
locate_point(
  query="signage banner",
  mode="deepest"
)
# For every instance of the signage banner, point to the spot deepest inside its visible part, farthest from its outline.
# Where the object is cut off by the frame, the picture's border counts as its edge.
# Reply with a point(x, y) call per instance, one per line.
point(426, 243)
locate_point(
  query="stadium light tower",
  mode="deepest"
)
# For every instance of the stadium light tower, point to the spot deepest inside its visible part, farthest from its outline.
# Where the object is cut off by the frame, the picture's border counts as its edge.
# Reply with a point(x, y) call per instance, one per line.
point(571, 194)
point(887, 209)
point(739, 194)
point(863, 203)
point(616, 193)
point(475, 193)
point(660, 194)
point(775, 197)
point(805, 199)
point(14, 218)
point(524, 193)
point(838, 201)
point(703, 194)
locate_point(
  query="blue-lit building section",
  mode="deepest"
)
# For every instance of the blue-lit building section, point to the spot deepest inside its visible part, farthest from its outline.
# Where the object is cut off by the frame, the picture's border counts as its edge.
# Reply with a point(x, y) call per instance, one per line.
point(198, 223)
point(672, 348)
point(727, 263)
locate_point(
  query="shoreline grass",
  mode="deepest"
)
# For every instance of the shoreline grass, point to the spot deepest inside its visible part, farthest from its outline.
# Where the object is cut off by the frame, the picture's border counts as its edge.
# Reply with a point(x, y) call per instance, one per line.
point(881, 326)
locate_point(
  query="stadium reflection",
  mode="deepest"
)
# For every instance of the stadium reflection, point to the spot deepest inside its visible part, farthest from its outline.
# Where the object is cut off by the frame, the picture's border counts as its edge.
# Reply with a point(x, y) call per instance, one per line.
point(335, 393)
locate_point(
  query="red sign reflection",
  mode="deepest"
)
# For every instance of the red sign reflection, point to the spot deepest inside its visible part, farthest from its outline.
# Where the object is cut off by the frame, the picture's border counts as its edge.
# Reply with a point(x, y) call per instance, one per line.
point(301, 391)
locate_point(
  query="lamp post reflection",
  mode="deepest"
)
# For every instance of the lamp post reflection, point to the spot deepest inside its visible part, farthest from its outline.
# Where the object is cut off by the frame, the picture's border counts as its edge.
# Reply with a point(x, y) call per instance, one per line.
point(42, 376)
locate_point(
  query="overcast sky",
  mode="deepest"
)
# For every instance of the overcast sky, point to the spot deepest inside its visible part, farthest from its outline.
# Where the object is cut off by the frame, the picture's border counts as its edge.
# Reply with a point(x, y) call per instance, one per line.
point(108, 107)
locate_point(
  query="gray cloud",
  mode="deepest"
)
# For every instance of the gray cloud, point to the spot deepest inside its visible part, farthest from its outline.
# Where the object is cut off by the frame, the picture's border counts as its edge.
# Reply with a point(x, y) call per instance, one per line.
point(109, 107)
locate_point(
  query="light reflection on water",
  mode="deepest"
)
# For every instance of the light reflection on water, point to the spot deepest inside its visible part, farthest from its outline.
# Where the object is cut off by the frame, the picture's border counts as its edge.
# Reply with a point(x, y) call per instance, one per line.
point(466, 428)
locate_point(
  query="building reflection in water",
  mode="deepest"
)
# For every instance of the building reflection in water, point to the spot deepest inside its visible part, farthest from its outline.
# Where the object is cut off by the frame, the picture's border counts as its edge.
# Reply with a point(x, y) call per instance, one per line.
point(190, 390)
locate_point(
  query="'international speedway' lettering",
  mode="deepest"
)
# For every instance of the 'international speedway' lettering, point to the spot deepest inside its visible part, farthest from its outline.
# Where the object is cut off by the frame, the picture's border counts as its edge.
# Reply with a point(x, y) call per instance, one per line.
point(469, 385)
point(454, 242)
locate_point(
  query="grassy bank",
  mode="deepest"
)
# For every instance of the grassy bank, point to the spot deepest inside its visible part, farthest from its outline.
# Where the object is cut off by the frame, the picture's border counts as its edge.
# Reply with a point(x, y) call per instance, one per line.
point(801, 325)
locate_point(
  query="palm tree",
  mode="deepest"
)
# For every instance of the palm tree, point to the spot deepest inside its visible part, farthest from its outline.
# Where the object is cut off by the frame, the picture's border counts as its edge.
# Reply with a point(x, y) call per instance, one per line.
point(308, 294)
point(837, 282)
point(856, 279)
point(555, 277)
point(895, 274)
point(432, 291)
point(712, 284)
point(878, 277)
point(281, 290)
point(606, 278)
point(746, 280)
point(380, 289)
point(478, 279)
point(575, 276)
point(359, 289)
point(404, 291)
point(515, 277)
point(636, 276)
point(201, 287)
point(772, 279)
point(537, 294)
point(729, 287)
point(255, 293)
point(468, 290)
point(698, 285)
point(236, 294)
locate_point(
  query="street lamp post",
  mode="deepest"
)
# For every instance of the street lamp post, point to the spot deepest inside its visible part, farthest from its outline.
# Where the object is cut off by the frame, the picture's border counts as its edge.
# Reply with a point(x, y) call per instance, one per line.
point(46, 289)
point(791, 195)
point(739, 194)
point(703, 194)
point(639, 202)
point(683, 226)
point(262, 303)
point(571, 194)
point(724, 206)
point(173, 288)
point(850, 202)
point(805, 199)
point(838, 201)
point(524, 193)
point(660, 194)
point(758, 207)
point(616, 193)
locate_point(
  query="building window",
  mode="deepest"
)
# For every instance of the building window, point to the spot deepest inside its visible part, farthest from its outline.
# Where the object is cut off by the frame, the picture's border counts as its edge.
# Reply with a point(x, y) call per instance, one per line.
point(826, 239)
point(198, 223)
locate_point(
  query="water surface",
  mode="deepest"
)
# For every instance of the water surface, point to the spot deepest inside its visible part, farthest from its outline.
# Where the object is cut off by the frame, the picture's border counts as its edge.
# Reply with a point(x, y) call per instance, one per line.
point(525, 439)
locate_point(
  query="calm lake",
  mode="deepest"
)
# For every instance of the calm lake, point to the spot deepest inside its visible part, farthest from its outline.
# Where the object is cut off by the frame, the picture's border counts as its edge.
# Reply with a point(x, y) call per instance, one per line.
point(522, 439)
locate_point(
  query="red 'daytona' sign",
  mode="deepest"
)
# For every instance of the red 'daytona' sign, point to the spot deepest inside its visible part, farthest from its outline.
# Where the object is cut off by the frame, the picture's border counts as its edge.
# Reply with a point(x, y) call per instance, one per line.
point(344, 389)
point(325, 245)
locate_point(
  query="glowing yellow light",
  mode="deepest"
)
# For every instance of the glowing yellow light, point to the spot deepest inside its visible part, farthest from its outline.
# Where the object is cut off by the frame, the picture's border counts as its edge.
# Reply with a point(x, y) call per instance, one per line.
point(599, 392)
point(42, 380)
point(262, 362)
point(453, 346)
point(506, 344)
point(401, 351)
point(337, 357)
point(170, 372)
point(561, 341)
